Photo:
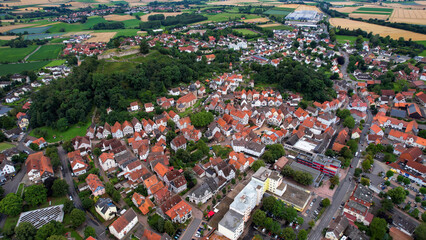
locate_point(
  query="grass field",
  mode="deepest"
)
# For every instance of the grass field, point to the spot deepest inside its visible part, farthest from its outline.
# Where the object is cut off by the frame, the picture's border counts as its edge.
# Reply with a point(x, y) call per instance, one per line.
point(343, 39)
point(121, 32)
point(46, 52)
point(75, 27)
point(246, 32)
point(10, 222)
point(69, 134)
point(376, 13)
point(277, 12)
point(15, 54)
point(131, 23)
point(276, 27)
point(366, 9)
point(221, 17)
point(5, 145)
point(20, 189)
point(20, 67)
point(55, 63)
point(33, 30)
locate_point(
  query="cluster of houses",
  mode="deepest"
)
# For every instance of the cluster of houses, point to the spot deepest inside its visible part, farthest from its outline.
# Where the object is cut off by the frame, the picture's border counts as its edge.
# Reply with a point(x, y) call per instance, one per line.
point(85, 48)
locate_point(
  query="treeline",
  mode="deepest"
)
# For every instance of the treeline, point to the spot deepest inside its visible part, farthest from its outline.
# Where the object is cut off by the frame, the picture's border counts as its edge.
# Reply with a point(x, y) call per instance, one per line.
point(401, 46)
point(325, 7)
point(183, 19)
point(108, 25)
point(292, 75)
point(171, 4)
point(72, 99)
point(21, 43)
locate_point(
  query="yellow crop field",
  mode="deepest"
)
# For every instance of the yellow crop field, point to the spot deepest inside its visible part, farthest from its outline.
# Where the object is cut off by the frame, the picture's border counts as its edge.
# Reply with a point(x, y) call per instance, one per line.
point(270, 25)
point(256, 20)
point(116, 17)
point(7, 37)
point(101, 37)
point(377, 29)
point(408, 16)
point(308, 7)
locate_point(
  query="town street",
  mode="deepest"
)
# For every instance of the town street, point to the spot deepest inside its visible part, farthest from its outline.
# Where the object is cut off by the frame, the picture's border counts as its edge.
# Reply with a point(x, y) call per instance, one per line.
point(344, 187)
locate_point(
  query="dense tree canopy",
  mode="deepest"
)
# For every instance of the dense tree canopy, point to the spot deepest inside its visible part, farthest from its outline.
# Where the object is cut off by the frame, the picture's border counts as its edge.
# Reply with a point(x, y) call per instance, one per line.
point(35, 195)
point(11, 205)
point(292, 75)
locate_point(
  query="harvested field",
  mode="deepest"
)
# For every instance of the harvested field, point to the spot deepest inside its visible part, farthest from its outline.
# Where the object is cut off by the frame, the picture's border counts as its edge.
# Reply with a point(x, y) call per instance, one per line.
point(233, 2)
point(7, 38)
point(377, 29)
point(142, 32)
point(270, 25)
point(342, 3)
point(346, 9)
point(259, 20)
point(101, 37)
point(116, 17)
point(408, 16)
point(16, 26)
point(368, 16)
point(307, 7)
point(166, 14)
point(292, 5)
point(29, 9)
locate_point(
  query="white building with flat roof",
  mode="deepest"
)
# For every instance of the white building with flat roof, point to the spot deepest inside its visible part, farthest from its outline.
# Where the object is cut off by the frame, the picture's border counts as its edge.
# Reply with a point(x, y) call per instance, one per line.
point(231, 225)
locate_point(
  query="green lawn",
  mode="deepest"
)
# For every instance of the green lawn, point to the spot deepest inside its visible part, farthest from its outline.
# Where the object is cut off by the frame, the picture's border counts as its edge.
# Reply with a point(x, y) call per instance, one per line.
point(47, 52)
point(131, 23)
point(54, 202)
point(56, 63)
point(422, 42)
point(8, 54)
point(365, 9)
point(69, 134)
point(281, 27)
point(10, 222)
point(343, 39)
point(245, 32)
point(5, 145)
point(221, 17)
point(20, 189)
point(20, 67)
point(59, 40)
point(75, 27)
point(277, 12)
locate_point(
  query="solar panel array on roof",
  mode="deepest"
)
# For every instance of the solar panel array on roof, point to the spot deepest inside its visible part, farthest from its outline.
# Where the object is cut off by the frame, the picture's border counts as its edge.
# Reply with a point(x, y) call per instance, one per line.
point(40, 217)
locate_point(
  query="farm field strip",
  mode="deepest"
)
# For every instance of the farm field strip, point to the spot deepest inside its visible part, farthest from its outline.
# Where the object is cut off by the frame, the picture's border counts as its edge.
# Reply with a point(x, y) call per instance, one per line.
point(408, 16)
point(101, 37)
point(377, 29)
point(46, 52)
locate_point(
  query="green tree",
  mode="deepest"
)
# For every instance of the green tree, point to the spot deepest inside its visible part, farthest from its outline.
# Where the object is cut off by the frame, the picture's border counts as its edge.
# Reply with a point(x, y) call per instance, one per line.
point(288, 233)
point(68, 206)
point(378, 228)
point(357, 172)
point(89, 231)
point(62, 124)
point(202, 119)
point(424, 217)
point(97, 152)
point(49, 229)
point(144, 47)
point(389, 174)
point(334, 180)
point(420, 232)
point(169, 228)
point(25, 231)
point(349, 122)
point(366, 165)
point(59, 188)
point(11, 205)
point(397, 195)
point(303, 235)
point(365, 181)
point(78, 217)
point(406, 181)
point(268, 203)
point(259, 217)
point(257, 164)
point(34, 147)
point(35, 194)
point(87, 203)
point(325, 202)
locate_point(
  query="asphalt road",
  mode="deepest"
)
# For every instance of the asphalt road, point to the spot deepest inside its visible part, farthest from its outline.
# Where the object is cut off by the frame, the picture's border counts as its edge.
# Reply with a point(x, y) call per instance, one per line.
point(191, 229)
point(66, 172)
point(344, 187)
